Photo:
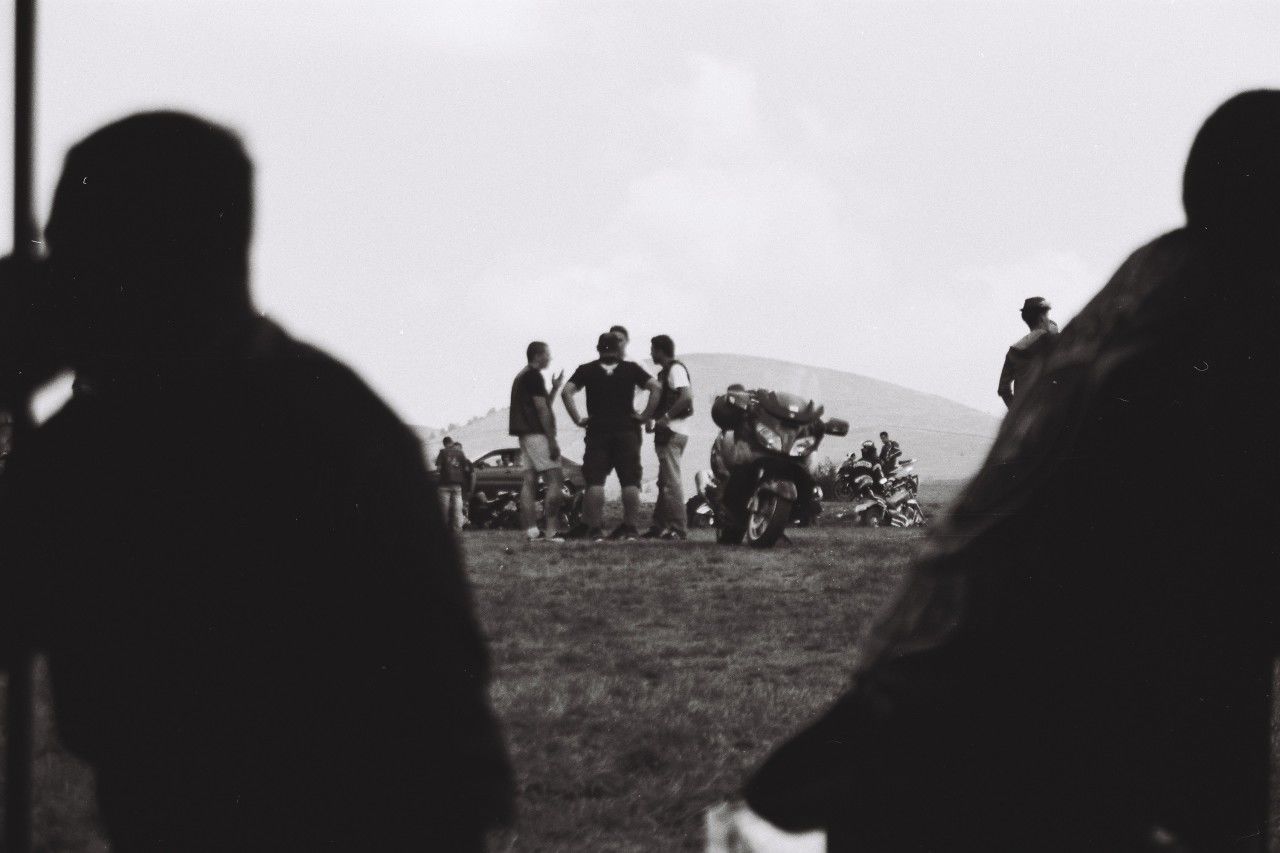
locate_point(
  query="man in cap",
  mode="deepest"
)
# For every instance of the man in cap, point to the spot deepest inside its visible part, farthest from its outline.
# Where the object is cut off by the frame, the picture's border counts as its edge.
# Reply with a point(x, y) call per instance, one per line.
point(1020, 361)
point(613, 433)
point(258, 628)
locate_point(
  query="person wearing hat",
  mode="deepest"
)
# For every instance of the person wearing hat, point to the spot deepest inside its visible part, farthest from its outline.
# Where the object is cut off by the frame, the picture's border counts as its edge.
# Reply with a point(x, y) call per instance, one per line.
point(613, 440)
point(1022, 356)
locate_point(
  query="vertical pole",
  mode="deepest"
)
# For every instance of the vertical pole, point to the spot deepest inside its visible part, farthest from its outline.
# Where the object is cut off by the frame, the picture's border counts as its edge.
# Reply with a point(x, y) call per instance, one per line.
point(17, 815)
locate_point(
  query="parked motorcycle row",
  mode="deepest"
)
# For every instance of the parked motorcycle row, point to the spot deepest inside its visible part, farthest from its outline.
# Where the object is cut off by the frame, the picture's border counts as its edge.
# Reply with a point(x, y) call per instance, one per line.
point(881, 497)
point(501, 511)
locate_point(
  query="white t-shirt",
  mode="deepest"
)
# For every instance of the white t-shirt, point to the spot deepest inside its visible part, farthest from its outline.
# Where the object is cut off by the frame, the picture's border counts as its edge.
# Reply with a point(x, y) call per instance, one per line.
point(678, 378)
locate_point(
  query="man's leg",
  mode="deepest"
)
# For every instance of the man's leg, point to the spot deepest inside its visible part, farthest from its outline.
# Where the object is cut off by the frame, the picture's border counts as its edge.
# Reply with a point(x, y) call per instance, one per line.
point(627, 446)
point(661, 518)
point(446, 508)
point(456, 519)
point(671, 495)
point(593, 507)
point(551, 506)
point(595, 468)
point(631, 506)
point(528, 491)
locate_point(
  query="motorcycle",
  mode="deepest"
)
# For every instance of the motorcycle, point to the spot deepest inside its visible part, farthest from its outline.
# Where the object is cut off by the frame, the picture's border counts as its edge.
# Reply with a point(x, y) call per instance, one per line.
point(892, 500)
point(502, 511)
point(764, 453)
point(700, 513)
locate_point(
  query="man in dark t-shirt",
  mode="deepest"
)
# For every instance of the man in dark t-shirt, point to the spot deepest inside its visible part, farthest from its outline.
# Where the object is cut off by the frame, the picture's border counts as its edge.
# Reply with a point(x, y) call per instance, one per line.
point(613, 433)
point(533, 422)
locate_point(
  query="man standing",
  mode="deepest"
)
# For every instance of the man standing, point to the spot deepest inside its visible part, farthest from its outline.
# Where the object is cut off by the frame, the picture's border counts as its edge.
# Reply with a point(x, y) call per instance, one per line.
point(613, 433)
point(456, 472)
point(670, 436)
point(889, 452)
point(1022, 356)
point(1039, 683)
point(258, 627)
point(533, 422)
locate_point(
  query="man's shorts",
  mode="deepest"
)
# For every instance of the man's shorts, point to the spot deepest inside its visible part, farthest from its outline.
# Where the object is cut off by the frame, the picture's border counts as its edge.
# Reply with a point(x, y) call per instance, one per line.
point(612, 450)
point(536, 452)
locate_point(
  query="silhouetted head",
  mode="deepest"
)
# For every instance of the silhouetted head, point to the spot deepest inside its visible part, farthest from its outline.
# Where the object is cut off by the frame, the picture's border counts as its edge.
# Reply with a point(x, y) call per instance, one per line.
point(662, 349)
point(623, 335)
point(1231, 187)
point(538, 354)
point(149, 236)
point(610, 347)
point(448, 442)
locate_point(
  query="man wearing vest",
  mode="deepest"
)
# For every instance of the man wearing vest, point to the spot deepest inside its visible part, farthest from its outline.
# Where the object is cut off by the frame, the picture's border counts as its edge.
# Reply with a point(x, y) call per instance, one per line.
point(455, 472)
point(670, 436)
point(613, 433)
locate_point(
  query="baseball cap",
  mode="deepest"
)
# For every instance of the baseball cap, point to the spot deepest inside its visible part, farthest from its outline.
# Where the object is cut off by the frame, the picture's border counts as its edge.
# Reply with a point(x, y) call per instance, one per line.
point(609, 343)
point(1036, 303)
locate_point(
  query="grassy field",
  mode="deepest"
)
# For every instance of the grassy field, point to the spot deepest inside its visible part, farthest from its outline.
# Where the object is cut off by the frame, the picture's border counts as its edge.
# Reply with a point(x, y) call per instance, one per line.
point(637, 683)
point(640, 683)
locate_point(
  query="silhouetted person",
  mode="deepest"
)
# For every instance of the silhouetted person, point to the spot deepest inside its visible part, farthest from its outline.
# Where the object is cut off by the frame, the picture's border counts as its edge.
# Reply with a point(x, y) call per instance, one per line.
point(1071, 667)
point(259, 631)
point(456, 476)
point(890, 452)
point(1021, 359)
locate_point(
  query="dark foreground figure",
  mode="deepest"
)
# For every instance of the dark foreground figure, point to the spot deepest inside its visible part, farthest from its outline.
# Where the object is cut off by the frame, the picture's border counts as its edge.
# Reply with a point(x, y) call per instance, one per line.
point(258, 628)
point(1082, 659)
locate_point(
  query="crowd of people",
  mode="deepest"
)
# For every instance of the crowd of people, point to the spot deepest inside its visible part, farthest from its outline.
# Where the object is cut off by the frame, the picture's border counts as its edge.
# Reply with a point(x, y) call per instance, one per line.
point(260, 633)
point(614, 437)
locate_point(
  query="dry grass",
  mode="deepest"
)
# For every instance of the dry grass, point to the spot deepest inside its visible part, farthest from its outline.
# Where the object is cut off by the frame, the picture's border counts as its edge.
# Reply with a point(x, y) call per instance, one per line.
point(640, 683)
point(637, 683)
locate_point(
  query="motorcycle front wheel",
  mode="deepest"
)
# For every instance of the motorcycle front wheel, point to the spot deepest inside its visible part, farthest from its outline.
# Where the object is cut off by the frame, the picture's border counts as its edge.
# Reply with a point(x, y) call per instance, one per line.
point(768, 520)
point(844, 490)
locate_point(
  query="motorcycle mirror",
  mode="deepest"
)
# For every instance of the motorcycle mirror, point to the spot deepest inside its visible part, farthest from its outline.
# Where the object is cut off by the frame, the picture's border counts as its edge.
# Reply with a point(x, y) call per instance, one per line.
point(836, 426)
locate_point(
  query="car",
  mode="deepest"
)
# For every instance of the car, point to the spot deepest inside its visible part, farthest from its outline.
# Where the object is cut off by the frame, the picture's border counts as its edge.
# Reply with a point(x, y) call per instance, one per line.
point(499, 475)
point(502, 470)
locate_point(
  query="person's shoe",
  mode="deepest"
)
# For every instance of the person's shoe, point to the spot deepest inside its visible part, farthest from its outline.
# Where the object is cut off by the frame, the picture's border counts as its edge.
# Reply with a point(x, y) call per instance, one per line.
point(652, 533)
point(579, 531)
point(596, 534)
point(625, 533)
point(673, 535)
point(554, 539)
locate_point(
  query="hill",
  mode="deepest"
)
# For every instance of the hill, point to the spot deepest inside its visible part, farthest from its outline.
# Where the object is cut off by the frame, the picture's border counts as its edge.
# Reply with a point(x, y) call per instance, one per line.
point(948, 440)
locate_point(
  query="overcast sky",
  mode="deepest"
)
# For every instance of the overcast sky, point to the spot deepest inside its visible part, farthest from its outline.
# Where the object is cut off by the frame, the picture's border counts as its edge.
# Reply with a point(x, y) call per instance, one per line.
point(873, 187)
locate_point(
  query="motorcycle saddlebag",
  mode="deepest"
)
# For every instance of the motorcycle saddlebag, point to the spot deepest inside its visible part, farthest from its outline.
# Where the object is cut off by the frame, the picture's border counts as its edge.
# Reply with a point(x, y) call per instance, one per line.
point(729, 409)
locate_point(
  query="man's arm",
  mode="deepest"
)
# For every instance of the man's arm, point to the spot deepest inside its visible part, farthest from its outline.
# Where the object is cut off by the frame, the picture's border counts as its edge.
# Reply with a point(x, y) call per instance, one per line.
point(570, 406)
point(655, 395)
point(682, 407)
point(1005, 388)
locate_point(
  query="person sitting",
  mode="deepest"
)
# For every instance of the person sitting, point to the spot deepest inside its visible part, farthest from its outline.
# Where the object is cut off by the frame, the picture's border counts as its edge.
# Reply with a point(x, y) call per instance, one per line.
point(866, 464)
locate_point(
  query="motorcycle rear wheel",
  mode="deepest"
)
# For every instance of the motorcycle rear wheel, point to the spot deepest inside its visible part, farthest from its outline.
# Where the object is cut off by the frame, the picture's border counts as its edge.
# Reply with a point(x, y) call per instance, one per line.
point(768, 521)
